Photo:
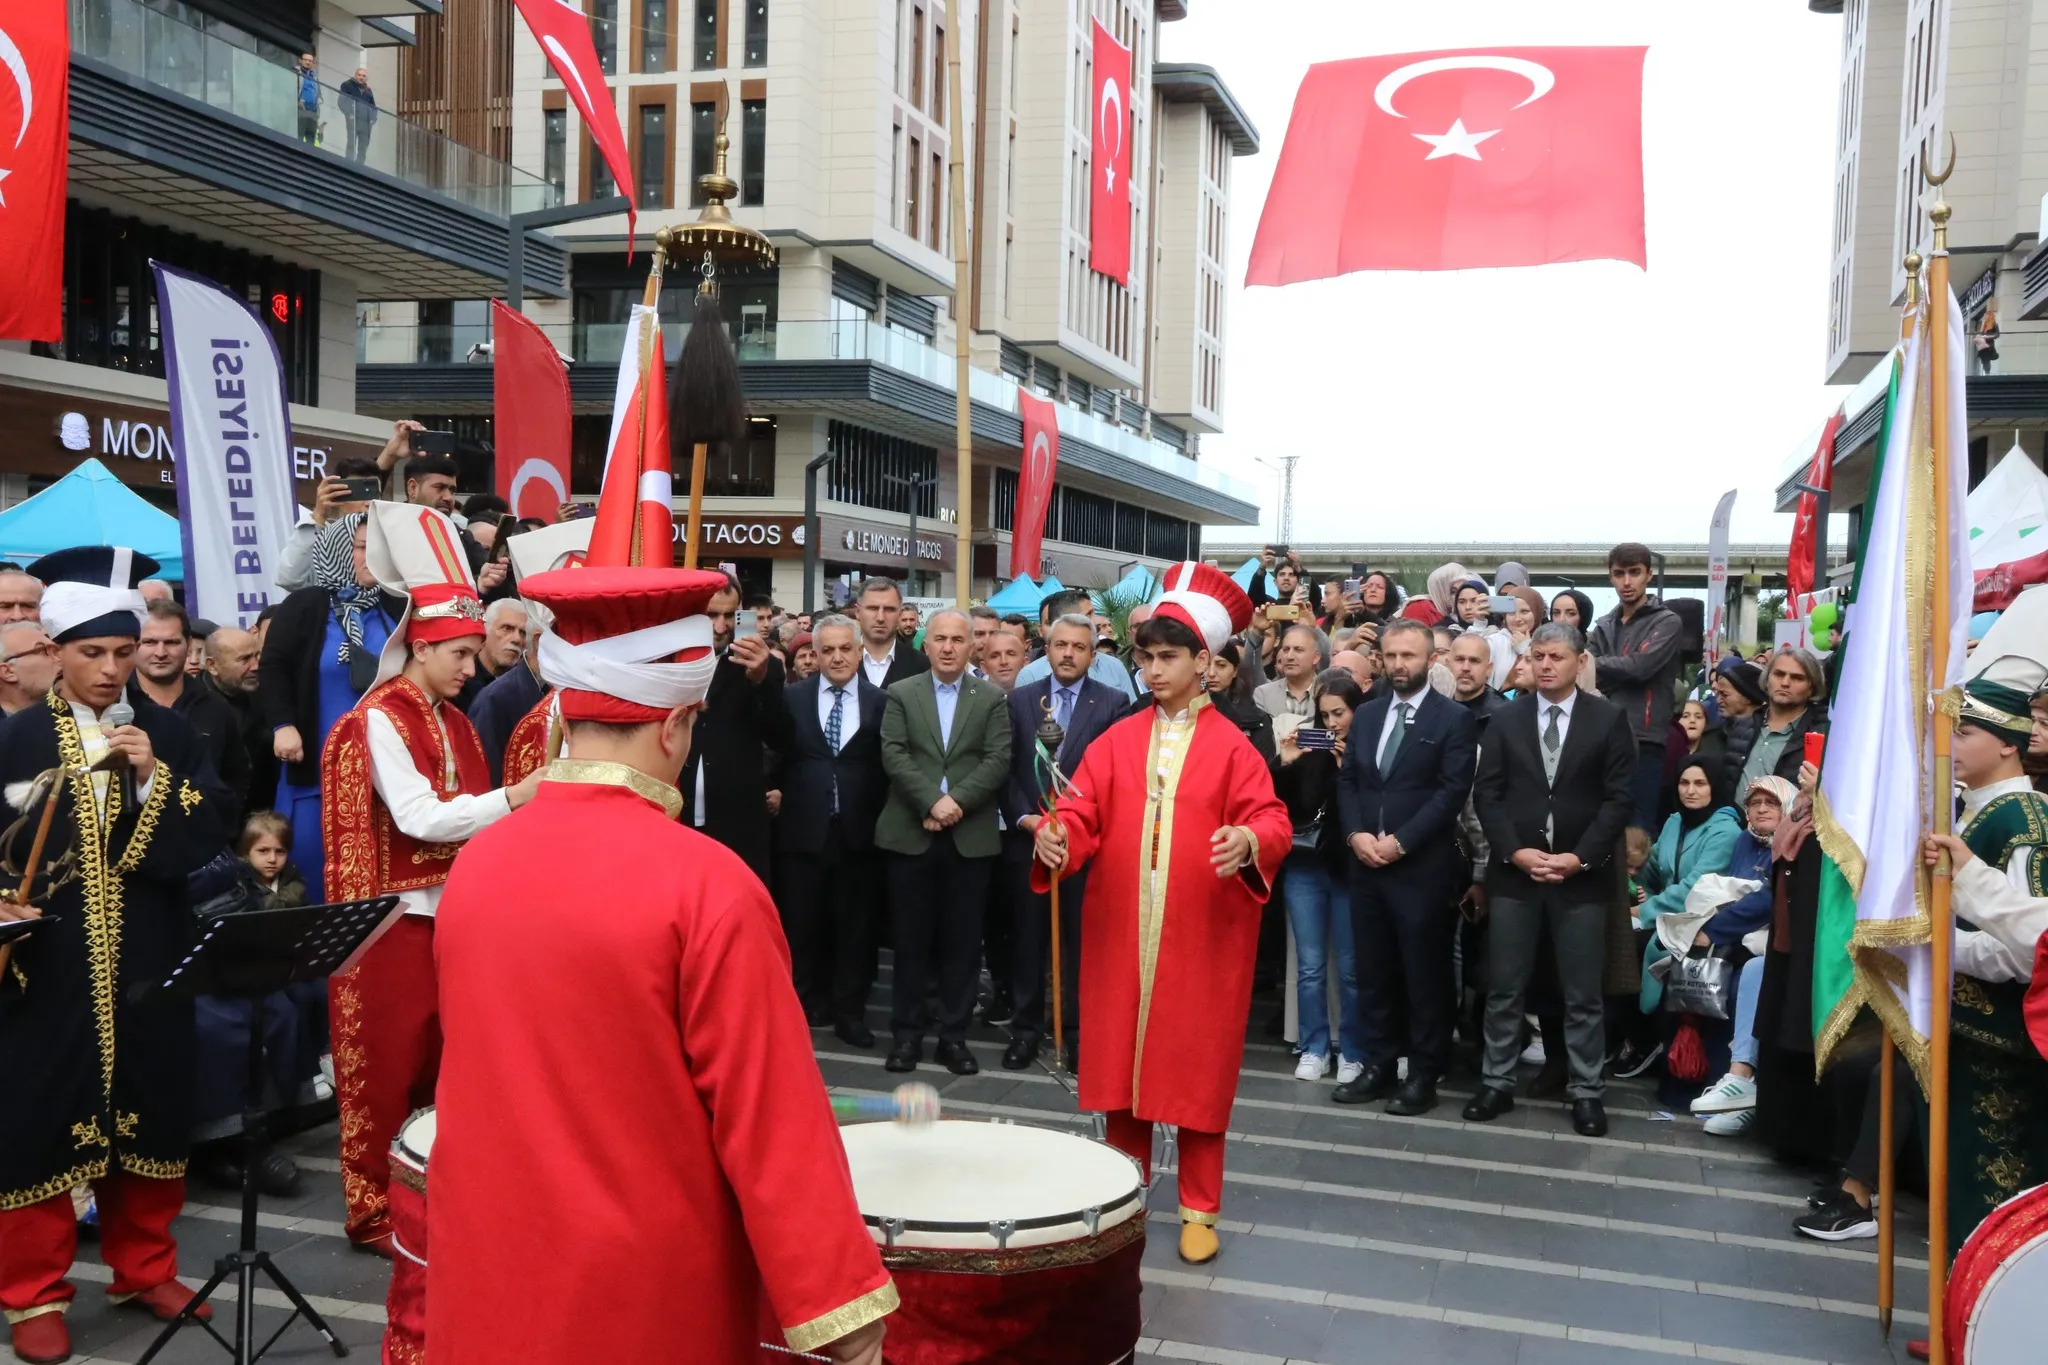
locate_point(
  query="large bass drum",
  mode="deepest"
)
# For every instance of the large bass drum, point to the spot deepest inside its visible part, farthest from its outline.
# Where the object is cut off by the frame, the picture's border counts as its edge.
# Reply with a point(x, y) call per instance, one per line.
point(1007, 1243)
point(1998, 1289)
point(405, 1303)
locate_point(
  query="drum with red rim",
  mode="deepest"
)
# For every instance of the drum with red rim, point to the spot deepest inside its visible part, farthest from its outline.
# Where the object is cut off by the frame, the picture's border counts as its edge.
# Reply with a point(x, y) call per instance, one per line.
point(1997, 1308)
point(405, 1304)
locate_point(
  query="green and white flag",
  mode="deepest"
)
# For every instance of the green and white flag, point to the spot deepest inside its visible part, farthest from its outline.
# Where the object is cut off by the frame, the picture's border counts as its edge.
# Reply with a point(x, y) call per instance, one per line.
point(1876, 790)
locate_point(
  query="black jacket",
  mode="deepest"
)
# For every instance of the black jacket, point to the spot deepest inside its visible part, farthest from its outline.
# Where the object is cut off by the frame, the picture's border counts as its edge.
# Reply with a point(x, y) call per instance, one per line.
point(1308, 788)
point(1741, 736)
point(1484, 707)
point(1254, 722)
point(1589, 805)
point(498, 709)
point(1096, 707)
point(288, 675)
point(742, 724)
point(225, 780)
point(256, 743)
point(1418, 802)
point(810, 771)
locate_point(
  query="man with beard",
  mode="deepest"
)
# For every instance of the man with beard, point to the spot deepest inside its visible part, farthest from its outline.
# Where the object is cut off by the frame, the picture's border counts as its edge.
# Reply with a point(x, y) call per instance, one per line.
point(1471, 665)
point(725, 787)
point(160, 676)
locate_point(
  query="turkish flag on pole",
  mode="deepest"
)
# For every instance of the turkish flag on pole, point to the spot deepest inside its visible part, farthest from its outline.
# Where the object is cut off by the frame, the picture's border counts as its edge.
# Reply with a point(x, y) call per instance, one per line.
point(563, 30)
point(635, 514)
point(1456, 161)
point(35, 143)
point(1109, 195)
point(529, 415)
point(1799, 559)
point(1034, 482)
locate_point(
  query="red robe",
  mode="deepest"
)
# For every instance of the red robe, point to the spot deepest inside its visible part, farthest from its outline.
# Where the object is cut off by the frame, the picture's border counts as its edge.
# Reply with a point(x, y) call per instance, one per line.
point(1166, 960)
point(527, 748)
point(636, 1160)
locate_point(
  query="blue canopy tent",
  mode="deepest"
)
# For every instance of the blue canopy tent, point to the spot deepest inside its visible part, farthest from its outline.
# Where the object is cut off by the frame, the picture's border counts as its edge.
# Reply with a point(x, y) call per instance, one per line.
point(1049, 587)
point(1019, 595)
point(89, 506)
point(1136, 586)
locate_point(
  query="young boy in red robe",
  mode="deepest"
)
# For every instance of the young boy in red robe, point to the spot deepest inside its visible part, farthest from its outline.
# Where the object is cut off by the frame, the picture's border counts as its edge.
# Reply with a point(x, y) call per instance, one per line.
point(636, 1161)
point(403, 785)
point(1176, 810)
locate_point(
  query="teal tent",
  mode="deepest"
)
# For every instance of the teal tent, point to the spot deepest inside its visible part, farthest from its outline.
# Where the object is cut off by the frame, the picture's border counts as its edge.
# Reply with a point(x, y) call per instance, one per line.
point(1136, 586)
point(1019, 595)
point(89, 506)
point(1049, 587)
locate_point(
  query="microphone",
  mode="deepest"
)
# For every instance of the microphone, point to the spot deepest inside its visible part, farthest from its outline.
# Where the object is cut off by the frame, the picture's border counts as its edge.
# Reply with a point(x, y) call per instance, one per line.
point(120, 713)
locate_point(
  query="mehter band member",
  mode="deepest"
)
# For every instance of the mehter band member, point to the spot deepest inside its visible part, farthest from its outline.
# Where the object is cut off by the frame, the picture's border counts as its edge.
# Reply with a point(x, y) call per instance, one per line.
point(628, 1106)
point(98, 1086)
point(1175, 809)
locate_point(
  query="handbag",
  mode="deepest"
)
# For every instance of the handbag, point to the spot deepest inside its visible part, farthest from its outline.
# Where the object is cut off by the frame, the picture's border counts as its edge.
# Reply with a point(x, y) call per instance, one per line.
point(1702, 982)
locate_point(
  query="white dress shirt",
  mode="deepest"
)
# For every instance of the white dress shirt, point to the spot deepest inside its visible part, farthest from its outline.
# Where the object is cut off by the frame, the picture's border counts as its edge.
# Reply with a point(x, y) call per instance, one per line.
point(92, 737)
point(1413, 701)
point(849, 714)
point(416, 808)
point(876, 669)
point(1564, 722)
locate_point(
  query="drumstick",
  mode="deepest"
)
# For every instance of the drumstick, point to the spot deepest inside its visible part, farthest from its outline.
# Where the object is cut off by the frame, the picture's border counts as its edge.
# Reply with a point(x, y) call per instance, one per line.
point(914, 1104)
point(35, 856)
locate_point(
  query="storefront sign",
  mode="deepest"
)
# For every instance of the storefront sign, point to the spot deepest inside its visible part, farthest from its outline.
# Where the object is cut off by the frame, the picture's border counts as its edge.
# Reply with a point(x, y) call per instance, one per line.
point(738, 537)
point(1979, 293)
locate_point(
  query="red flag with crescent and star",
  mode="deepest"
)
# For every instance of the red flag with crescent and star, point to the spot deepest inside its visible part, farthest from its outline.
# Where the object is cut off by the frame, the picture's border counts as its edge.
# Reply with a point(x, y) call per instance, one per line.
point(1458, 161)
point(563, 31)
point(1800, 569)
point(1034, 481)
point(35, 142)
point(1109, 195)
point(530, 414)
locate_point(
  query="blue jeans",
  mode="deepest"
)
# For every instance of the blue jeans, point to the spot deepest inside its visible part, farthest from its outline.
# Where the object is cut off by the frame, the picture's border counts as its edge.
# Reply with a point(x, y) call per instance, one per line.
point(1748, 986)
point(1319, 913)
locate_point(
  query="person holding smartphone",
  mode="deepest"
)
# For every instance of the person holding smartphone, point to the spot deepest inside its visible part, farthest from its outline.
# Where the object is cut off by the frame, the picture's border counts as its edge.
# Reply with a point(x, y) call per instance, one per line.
point(351, 485)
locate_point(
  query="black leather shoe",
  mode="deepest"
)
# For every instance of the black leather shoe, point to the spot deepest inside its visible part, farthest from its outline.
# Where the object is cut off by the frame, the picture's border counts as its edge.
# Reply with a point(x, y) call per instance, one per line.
point(817, 1014)
point(1589, 1118)
point(1373, 1083)
point(277, 1175)
point(1416, 1096)
point(1550, 1081)
point(854, 1033)
point(957, 1059)
point(1073, 1058)
point(1020, 1054)
point(1489, 1104)
point(904, 1057)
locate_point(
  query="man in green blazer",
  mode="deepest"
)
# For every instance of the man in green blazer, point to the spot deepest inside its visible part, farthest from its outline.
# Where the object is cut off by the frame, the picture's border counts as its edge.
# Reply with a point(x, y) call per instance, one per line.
point(946, 750)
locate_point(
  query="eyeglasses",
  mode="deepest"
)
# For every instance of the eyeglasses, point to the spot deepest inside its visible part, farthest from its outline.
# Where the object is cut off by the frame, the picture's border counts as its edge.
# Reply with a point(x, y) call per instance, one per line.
point(46, 650)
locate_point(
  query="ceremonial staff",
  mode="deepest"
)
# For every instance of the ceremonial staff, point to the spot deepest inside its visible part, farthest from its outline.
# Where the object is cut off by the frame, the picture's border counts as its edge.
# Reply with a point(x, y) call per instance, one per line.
point(52, 792)
point(1048, 741)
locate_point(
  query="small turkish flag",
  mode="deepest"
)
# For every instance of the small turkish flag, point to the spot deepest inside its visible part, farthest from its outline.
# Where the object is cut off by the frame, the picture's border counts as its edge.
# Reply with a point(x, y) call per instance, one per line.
point(1034, 482)
point(563, 31)
point(1109, 192)
point(1456, 161)
point(35, 141)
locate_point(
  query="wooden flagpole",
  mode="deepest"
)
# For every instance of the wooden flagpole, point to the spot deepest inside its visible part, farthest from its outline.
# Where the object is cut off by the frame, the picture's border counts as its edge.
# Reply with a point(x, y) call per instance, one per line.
point(963, 328)
point(1940, 908)
point(35, 857)
point(1887, 1051)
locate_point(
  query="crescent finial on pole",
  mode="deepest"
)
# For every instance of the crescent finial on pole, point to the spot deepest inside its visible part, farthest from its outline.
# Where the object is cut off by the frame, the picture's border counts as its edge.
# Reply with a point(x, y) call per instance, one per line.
point(1950, 169)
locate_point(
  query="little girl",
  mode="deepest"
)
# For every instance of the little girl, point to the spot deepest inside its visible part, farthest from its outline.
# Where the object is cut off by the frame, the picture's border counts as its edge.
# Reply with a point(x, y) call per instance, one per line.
point(267, 847)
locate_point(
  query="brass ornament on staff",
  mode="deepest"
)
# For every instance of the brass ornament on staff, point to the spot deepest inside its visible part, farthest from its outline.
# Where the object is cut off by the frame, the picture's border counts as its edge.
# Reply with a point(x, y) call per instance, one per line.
point(1050, 737)
point(706, 405)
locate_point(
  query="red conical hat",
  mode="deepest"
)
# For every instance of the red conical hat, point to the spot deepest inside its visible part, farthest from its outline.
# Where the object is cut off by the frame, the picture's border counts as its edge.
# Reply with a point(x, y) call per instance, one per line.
point(1206, 600)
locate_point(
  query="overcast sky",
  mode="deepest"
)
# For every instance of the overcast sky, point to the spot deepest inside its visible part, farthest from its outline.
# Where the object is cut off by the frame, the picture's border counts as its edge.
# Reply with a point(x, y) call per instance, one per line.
point(1580, 402)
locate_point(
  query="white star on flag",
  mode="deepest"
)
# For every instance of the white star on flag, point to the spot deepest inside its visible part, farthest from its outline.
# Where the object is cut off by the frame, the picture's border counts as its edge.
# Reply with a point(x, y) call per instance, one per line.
point(1456, 142)
point(3, 193)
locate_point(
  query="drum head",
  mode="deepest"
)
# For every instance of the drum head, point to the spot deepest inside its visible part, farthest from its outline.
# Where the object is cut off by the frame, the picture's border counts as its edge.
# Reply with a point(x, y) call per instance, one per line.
point(949, 1181)
point(416, 1139)
point(2000, 1282)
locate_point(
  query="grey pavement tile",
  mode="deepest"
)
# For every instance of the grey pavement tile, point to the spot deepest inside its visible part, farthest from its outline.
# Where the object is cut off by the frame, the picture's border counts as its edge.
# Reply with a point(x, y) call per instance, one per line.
point(1406, 1177)
point(1536, 1192)
point(1237, 1322)
point(1366, 1338)
point(1789, 1272)
point(1706, 1214)
point(1307, 1265)
point(1560, 1299)
point(1766, 1327)
point(101, 1330)
point(1606, 1249)
point(1549, 1351)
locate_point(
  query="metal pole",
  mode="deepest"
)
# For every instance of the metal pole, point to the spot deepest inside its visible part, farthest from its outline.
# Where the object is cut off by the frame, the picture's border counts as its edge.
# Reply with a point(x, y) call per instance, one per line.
point(963, 324)
point(811, 556)
point(523, 223)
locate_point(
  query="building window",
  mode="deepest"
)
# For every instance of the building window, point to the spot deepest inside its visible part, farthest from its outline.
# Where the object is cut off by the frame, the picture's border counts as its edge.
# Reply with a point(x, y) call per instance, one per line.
point(703, 147)
point(938, 75)
point(917, 57)
point(898, 85)
point(655, 36)
point(602, 186)
point(753, 150)
point(757, 32)
point(555, 148)
point(910, 188)
point(704, 37)
point(896, 179)
point(654, 156)
point(604, 31)
point(882, 472)
point(932, 218)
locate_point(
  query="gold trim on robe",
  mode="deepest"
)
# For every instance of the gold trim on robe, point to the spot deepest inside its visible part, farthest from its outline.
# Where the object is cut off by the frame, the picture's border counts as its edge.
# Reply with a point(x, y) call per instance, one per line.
point(603, 774)
point(808, 1336)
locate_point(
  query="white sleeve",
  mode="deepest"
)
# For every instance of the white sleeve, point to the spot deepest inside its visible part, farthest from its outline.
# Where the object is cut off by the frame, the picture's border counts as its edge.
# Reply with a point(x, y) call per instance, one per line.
point(2002, 906)
point(410, 797)
point(295, 565)
point(1987, 959)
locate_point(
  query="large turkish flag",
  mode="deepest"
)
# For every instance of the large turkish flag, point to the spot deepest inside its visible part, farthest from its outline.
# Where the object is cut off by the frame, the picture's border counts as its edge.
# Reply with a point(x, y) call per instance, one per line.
point(1109, 194)
point(35, 141)
point(563, 31)
point(1458, 160)
point(1034, 482)
point(531, 418)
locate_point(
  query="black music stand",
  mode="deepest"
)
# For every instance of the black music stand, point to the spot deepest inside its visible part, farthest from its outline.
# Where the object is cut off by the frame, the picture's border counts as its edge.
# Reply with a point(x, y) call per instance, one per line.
point(248, 956)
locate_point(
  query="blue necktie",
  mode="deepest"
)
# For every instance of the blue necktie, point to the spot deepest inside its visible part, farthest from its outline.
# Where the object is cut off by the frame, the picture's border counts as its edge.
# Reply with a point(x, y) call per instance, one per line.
point(1064, 713)
point(832, 722)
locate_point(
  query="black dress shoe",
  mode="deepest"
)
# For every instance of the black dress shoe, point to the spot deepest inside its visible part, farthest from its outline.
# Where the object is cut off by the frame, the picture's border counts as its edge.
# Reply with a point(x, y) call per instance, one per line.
point(1417, 1095)
point(817, 1014)
point(1073, 1058)
point(277, 1175)
point(904, 1057)
point(854, 1033)
point(1373, 1083)
point(1550, 1082)
point(1489, 1104)
point(1589, 1118)
point(957, 1059)
point(1021, 1053)
point(999, 1009)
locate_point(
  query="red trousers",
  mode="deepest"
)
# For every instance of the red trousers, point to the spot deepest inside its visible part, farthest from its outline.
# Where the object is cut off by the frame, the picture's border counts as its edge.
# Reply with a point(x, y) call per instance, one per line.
point(1201, 1162)
point(38, 1243)
point(386, 1022)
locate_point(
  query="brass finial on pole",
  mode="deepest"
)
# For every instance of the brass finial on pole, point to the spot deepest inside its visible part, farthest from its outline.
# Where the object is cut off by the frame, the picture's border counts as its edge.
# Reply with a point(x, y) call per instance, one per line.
point(1941, 910)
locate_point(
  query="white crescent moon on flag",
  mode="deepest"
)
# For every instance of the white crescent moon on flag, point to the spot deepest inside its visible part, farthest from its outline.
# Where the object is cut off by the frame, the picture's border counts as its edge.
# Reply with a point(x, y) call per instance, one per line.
point(566, 67)
point(546, 473)
point(1034, 463)
point(1539, 76)
point(1110, 94)
point(10, 56)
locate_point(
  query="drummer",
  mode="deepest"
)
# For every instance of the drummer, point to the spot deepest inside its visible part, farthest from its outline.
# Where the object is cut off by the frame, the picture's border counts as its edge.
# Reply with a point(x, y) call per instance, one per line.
point(634, 1147)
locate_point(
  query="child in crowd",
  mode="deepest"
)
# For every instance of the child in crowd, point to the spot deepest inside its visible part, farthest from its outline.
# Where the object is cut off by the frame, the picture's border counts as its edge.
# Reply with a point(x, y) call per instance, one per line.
point(266, 846)
point(1637, 849)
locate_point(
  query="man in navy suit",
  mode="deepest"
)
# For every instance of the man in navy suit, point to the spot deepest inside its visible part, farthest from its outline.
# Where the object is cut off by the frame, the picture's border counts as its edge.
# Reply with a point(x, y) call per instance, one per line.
point(1084, 708)
point(827, 870)
point(1407, 770)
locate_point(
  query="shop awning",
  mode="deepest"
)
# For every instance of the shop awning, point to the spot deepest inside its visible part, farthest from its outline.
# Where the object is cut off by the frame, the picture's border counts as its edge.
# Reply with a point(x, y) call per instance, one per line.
point(89, 506)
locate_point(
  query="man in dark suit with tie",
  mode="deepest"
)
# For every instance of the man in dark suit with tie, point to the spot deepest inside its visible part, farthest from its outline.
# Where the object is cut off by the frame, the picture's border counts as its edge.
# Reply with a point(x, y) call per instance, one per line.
point(826, 865)
point(1084, 708)
point(1554, 793)
point(887, 657)
point(725, 783)
point(946, 749)
point(1407, 770)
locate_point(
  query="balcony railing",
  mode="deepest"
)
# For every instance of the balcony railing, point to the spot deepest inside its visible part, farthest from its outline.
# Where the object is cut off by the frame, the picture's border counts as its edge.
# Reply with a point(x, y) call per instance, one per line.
point(152, 46)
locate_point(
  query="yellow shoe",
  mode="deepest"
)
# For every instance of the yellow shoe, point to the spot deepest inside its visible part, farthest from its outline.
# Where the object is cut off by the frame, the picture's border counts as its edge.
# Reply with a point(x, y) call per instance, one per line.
point(1198, 1244)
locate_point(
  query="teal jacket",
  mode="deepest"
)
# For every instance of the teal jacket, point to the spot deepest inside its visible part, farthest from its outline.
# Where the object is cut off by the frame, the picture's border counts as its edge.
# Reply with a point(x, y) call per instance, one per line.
point(1681, 857)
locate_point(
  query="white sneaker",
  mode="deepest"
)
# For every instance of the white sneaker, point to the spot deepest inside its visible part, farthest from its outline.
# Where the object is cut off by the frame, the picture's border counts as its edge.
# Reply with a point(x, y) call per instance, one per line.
point(1400, 1068)
point(1314, 1066)
point(1730, 1094)
point(1534, 1054)
point(1347, 1072)
point(1733, 1123)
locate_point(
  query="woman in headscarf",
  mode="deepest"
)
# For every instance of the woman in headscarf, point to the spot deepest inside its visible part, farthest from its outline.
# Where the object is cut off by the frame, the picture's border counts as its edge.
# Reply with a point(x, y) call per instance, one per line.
point(318, 660)
point(1573, 608)
point(1438, 603)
